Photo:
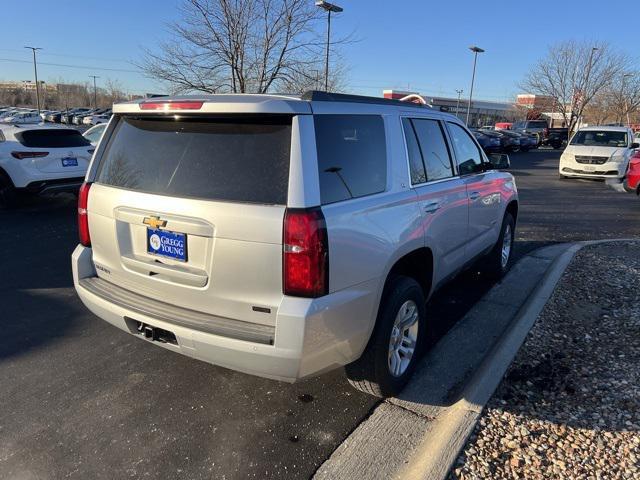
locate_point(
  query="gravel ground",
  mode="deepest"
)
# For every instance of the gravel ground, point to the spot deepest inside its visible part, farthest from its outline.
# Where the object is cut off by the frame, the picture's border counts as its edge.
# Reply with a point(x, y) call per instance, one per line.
point(569, 407)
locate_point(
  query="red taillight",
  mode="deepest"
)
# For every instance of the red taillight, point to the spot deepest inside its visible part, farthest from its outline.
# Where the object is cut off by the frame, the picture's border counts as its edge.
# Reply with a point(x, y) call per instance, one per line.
point(169, 105)
point(83, 217)
point(21, 155)
point(306, 253)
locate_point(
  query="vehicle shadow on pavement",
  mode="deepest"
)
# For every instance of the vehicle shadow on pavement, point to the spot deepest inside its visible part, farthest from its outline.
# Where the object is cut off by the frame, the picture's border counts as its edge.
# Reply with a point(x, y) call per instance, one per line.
point(468, 329)
point(34, 318)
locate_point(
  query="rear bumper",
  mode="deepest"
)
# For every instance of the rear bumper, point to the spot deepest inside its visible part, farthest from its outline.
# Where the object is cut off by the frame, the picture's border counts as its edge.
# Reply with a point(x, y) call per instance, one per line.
point(59, 185)
point(310, 335)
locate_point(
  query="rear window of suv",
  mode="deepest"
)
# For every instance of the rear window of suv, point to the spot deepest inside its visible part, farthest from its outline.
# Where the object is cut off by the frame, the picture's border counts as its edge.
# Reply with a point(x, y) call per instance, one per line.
point(52, 138)
point(238, 159)
point(352, 156)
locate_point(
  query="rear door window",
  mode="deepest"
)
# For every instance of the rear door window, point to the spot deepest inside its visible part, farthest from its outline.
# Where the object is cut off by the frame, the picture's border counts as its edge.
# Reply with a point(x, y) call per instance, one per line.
point(52, 138)
point(434, 149)
point(238, 159)
point(416, 166)
point(352, 156)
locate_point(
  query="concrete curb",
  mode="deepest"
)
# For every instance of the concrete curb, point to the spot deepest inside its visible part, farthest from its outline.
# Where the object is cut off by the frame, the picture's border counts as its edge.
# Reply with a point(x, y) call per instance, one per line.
point(441, 446)
point(420, 434)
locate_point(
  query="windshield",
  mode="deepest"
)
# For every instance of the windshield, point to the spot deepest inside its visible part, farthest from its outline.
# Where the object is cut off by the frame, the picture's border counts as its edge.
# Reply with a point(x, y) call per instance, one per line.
point(595, 138)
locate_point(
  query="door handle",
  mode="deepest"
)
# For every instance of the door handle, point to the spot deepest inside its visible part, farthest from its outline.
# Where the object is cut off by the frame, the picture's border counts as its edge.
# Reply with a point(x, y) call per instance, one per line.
point(432, 207)
point(474, 196)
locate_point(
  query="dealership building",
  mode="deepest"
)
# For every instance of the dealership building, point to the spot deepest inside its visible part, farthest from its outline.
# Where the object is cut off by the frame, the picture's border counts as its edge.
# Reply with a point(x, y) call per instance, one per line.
point(481, 113)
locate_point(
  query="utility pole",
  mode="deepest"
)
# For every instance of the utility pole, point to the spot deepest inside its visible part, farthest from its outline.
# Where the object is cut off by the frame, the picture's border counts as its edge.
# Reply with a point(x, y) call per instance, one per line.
point(35, 71)
point(476, 51)
point(329, 7)
point(95, 92)
point(459, 92)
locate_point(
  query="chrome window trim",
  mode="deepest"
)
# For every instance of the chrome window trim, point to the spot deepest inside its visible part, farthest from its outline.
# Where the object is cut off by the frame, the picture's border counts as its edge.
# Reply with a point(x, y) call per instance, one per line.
point(454, 164)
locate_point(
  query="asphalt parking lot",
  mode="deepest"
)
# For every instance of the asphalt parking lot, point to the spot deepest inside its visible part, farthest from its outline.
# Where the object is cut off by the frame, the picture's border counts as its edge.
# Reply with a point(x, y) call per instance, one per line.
point(82, 399)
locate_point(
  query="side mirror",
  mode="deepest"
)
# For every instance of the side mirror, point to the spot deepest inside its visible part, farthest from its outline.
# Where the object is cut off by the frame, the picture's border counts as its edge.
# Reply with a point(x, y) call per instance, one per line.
point(635, 145)
point(500, 161)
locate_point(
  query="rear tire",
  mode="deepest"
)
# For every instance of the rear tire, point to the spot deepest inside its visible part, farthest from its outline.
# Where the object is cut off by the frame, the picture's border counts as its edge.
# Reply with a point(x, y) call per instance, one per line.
point(387, 362)
point(8, 193)
point(498, 261)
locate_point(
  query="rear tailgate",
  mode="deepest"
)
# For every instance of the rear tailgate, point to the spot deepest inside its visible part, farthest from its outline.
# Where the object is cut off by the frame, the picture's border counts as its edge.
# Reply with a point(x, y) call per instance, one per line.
point(189, 212)
point(68, 153)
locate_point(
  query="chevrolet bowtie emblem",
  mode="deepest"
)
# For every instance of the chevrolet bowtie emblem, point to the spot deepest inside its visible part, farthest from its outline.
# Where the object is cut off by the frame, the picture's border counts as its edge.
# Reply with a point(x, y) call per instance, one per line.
point(154, 222)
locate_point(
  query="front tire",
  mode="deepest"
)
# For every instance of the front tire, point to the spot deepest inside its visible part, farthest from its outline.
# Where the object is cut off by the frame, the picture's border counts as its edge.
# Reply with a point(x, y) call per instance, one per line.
point(396, 343)
point(498, 261)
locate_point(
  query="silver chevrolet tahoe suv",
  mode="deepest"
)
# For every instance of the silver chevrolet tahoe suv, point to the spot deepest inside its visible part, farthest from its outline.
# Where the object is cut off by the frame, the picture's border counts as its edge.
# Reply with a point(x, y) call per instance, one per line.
point(286, 236)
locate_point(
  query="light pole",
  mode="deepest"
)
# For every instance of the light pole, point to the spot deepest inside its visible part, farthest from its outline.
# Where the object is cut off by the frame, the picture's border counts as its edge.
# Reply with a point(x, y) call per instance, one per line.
point(329, 7)
point(95, 94)
point(626, 107)
point(583, 93)
point(459, 92)
point(476, 51)
point(35, 71)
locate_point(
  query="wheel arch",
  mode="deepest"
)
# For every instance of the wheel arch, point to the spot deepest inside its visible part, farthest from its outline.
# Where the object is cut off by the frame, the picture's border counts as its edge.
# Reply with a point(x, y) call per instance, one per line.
point(4, 175)
point(512, 208)
point(416, 264)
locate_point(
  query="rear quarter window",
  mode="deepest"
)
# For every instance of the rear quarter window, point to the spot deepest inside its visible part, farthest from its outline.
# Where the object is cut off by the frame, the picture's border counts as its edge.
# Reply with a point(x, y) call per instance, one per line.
point(238, 159)
point(352, 156)
point(52, 138)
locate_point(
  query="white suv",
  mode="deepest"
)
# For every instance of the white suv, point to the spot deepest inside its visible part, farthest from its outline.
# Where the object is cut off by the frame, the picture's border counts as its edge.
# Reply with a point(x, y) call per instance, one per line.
point(41, 159)
point(598, 152)
point(284, 236)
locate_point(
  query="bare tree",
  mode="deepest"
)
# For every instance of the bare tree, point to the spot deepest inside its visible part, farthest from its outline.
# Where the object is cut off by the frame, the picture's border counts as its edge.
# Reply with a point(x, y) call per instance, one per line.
point(239, 46)
point(573, 74)
point(623, 95)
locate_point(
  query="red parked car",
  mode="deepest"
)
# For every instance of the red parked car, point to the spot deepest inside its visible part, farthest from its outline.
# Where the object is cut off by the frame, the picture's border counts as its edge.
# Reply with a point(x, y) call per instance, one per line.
point(632, 180)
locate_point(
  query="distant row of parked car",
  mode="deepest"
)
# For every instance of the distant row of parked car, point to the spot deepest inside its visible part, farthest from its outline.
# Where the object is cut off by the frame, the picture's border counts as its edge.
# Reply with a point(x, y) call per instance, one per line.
point(79, 116)
point(75, 116)
point(519, 136)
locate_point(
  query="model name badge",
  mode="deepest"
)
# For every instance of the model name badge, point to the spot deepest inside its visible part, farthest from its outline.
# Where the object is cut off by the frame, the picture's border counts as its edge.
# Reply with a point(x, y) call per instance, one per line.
point(102, 269)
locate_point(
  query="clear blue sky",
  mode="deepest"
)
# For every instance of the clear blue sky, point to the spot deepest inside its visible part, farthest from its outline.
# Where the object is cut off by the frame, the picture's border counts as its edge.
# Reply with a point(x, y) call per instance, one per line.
point(416, 44)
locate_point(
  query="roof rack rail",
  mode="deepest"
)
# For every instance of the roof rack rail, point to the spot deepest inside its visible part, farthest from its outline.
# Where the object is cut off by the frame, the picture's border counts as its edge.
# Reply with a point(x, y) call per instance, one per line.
point(321, 96)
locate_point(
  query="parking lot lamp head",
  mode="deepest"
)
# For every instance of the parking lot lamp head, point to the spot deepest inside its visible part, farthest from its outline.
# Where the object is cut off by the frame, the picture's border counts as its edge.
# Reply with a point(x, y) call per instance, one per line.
point(328, 7)
point(476, 50)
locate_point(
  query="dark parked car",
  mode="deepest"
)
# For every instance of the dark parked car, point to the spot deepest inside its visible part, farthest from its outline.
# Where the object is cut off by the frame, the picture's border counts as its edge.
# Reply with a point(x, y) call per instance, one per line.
point(556, 137)
point(517, 143)
point(67, 117)
point(508, 143)
point(537, 127)
point(528, 141)
point(489, 143)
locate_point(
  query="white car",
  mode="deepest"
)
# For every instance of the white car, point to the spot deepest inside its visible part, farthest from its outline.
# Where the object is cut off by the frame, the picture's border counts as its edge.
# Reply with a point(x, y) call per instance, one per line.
point(598, 152)
point(94, 134)
point(97, 119)
point(40, 159)
point(22, 118)
point(286, 236)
